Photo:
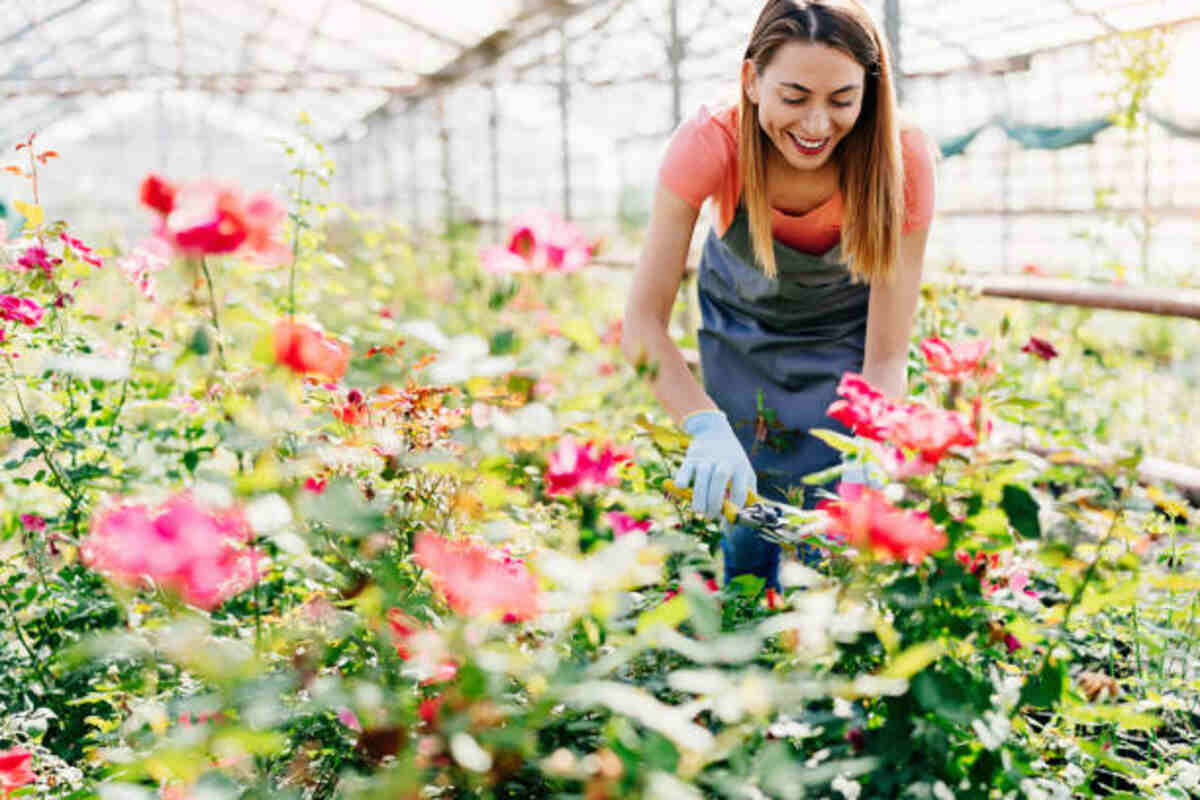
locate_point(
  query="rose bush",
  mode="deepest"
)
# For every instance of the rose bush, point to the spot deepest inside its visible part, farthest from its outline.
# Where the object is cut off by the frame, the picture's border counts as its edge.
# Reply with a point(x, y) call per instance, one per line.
point(404, 535)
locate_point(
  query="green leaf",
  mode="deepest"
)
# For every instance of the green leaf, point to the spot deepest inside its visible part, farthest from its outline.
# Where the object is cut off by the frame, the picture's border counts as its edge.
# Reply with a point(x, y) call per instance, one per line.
point(1022, 511)
point(1045, 689)
point(913, 660)
point(665, 615)
point(991, 522)
point(838, 441)
point(19, 429)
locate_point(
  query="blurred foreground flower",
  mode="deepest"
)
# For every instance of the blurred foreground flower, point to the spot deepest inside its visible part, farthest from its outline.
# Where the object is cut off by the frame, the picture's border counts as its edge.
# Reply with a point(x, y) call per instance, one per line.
point(864, 519)
point(198, 552)
point(211, 218)
point(539, 242)
point(622, 523)
point(20, 309)
point(15, 770)
point(1040, 348)
point(575, 468)
point(304, 349)
point(477, 581)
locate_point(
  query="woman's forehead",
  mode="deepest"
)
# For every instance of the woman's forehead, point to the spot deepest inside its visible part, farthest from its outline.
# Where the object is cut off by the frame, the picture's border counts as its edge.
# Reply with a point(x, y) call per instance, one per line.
point(816, 66)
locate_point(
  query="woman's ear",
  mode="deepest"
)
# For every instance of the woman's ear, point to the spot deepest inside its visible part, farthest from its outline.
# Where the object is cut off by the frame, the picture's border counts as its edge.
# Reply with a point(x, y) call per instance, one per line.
point(750, 81)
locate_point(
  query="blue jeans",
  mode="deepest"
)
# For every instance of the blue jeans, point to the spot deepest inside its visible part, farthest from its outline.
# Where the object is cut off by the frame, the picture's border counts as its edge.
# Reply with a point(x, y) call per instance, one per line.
point(748, 552)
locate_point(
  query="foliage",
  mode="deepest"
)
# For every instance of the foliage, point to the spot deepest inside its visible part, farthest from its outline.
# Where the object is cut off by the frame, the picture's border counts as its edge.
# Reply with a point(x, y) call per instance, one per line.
point(444, 603)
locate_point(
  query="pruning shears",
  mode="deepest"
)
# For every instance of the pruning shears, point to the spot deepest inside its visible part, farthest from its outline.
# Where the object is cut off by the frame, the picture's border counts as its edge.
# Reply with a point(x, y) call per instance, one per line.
point(779, 520)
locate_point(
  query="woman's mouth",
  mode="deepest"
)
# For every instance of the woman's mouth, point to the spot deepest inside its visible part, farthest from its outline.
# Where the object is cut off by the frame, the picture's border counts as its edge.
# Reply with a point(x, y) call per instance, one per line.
point(809, 147)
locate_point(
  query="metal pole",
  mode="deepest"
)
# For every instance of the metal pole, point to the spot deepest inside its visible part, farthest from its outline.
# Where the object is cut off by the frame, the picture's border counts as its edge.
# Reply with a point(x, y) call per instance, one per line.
point(414, 191)
point(564, 102)
point(386, 164)
point(675, 58)
point(891, 26)
point(447, 172)
point(494, 147)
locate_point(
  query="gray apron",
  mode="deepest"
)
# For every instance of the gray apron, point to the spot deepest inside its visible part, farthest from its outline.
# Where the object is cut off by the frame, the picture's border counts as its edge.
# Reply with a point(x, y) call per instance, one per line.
point(772, 351)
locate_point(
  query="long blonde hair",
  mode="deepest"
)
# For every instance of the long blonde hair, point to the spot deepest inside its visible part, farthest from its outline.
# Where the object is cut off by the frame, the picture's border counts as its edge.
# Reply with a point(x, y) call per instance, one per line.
point(871, 169)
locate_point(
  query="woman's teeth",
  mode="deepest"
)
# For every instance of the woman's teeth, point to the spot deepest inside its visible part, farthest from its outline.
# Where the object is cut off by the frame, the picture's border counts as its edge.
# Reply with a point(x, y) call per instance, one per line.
point(809, 145)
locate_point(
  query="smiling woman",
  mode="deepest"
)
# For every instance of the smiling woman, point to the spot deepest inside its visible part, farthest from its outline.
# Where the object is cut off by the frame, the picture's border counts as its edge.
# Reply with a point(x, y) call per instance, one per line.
point(818, 195)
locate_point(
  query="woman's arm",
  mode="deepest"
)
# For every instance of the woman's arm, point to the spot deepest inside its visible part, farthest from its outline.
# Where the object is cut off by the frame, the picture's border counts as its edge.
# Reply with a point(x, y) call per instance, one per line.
point(890, 318)
point(644, 337)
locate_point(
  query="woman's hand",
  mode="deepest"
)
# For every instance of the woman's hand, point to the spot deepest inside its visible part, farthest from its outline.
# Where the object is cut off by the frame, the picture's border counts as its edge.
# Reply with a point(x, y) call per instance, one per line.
point(715, 460)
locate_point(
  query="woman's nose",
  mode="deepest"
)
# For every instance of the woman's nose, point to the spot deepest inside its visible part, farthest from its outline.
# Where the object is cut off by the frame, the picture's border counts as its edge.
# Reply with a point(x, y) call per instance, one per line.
point(815, 123)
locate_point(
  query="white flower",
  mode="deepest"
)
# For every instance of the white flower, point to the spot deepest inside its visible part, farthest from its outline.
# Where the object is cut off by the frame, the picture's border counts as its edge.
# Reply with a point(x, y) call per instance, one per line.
point(1187, 775)
point(1073, 775)
point(992, 729)
point(469, 754)
point(849, 789)
point(942, 792)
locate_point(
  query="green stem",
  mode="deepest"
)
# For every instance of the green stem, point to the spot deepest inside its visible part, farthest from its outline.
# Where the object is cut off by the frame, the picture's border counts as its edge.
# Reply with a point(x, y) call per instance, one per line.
point(296, 221)
point(66, 487)
point(212, 304)
point(37, 662)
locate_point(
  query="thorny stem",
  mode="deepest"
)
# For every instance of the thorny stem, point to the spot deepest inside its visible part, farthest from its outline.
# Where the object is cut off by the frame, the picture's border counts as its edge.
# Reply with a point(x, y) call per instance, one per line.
point(37, 662)
point(112, 430)
point(67, 487)
point(212, 304)
point(295, 247)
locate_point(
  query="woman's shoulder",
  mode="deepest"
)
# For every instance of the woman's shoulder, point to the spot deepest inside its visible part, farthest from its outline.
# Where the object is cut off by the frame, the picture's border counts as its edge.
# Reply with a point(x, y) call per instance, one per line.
point(702, 154)
point(919, 155)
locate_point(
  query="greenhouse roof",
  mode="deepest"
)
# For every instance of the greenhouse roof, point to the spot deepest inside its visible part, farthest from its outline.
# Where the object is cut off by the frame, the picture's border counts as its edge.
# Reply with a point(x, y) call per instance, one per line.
point(73, 64)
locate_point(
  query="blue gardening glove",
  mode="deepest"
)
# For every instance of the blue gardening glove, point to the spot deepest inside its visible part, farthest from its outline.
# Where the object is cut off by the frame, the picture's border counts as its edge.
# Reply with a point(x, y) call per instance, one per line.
point(715, 460)
point(867, 473)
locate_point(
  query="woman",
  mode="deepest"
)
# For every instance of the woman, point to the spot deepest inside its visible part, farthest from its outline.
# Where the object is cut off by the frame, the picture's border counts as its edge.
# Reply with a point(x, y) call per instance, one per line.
point(812, 269)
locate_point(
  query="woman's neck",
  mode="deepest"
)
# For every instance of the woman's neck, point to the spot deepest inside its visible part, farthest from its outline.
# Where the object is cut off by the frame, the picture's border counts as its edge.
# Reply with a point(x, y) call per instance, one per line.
point(799, 190)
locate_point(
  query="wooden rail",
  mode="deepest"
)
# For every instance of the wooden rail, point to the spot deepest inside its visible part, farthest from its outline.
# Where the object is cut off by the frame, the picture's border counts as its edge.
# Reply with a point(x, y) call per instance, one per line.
point(1111, 296)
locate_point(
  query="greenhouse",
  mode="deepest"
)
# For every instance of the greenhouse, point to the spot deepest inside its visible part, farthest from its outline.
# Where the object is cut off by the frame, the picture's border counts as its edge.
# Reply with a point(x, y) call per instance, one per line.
point(599, 399)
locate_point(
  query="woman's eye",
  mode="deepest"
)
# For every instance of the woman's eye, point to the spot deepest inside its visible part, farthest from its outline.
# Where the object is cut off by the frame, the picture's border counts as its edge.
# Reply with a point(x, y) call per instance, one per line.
point(843, 105)
point(794, 101)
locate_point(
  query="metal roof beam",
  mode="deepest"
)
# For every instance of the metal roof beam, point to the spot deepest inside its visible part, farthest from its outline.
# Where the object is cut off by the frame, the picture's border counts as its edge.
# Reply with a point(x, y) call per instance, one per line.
point(27, 28)
point(1018, 61)
point(218, 82)
point(412, 24)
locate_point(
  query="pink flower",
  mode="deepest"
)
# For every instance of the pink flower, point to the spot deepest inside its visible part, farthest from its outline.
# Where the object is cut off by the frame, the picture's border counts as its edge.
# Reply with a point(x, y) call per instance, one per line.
point(262, 217)
point(575, 468)
point(158, 194)
point(539, 242)
point(958, 361)
point(35, 258)
point(868, 520)
point(915, 427)
point(622, 523)
point(1040, 348)
point(1012, 643)
point(15, 770)
point(81, 250)
point(477, 581)
point(33, 522)
point(20, 309)
point(211, 218)
point(863, 408)
point(304, 349)
point(930, 431)
point(197, 552)
point(142, 262)
point(349, 719)
point(315, 485)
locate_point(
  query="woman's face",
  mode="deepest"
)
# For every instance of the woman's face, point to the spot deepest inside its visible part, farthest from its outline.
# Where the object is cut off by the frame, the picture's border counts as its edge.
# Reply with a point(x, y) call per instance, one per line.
point(808, 97)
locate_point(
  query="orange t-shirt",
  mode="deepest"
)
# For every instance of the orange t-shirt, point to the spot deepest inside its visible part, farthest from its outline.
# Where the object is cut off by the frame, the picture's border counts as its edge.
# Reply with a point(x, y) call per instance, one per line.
point(701, 161)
